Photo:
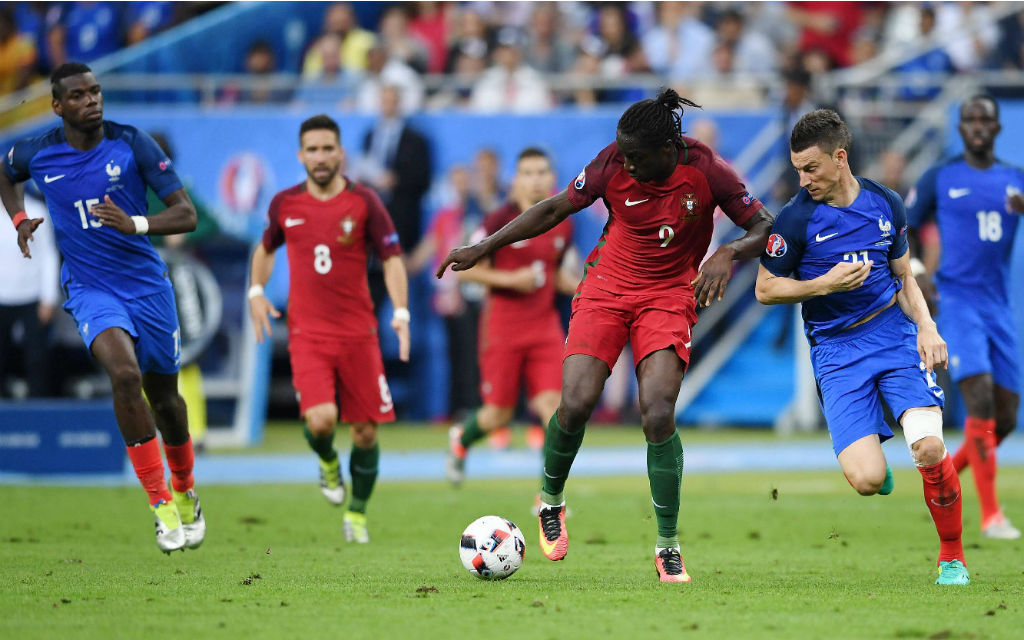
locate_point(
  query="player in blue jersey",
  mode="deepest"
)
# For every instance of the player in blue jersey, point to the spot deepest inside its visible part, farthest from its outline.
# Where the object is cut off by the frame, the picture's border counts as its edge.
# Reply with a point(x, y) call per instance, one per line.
point(840, 247)
point(976, 201)
point(94, 175)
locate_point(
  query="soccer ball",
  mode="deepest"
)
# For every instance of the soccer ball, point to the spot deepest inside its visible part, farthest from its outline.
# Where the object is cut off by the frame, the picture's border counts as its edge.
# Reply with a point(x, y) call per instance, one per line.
point(492, 548)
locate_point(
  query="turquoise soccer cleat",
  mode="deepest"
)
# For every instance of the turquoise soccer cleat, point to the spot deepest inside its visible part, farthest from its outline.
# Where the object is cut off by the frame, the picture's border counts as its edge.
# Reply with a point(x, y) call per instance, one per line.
point(889, 483)
point(953, 572)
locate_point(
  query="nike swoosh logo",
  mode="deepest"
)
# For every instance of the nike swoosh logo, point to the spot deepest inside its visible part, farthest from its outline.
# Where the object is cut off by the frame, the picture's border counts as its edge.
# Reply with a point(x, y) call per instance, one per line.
point(633, 203)
point(958, 193)
point(49, 179)
point(821, 238)
point(292, 222)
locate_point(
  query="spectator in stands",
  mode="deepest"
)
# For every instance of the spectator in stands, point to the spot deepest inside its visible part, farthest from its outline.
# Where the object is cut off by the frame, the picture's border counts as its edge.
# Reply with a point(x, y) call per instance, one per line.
point(751, 51)
point(330, 83)
point(396, 163)
point(28, 298)
point(470, 61)
point(547, 48)
point(430, 24)
point(353, 42)
point(260, 64)
point(472, 37)
point(144, 18)
point(796, 101)
point(510, 85)
point(933, 61)
point(680, 45)
point(1009, 51)
point(82, 31)
point(487, 192)
point(827, 26)
point(399, 41)
point(382, 71)
point(969, 32)
point(17, 54)
point(450, 228)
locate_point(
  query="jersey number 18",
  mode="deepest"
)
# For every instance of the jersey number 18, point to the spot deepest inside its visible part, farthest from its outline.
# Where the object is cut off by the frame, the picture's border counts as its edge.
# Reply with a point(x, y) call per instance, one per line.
point(990, 226)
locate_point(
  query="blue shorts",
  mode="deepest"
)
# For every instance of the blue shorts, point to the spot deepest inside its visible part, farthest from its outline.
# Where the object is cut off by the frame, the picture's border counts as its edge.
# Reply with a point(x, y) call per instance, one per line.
point(860, 367)
point(152, 321)
point(981, 339)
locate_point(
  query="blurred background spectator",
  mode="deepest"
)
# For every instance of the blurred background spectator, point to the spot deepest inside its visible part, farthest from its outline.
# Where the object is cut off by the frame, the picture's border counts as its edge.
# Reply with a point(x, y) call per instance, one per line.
point(343, 44)
point(18, 54)
point(510, 84)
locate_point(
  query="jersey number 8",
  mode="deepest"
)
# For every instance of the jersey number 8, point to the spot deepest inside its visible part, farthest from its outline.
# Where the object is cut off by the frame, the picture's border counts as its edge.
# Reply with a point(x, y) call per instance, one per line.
point(322, 258)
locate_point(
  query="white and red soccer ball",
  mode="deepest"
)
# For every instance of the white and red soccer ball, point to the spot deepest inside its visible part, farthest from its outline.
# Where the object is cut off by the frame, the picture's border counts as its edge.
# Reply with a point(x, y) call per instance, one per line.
point(492, 548)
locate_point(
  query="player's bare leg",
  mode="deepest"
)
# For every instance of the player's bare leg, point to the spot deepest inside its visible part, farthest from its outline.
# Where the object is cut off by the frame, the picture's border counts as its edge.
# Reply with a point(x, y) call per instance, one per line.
point(319, 432)
point(979, 450)
point(171, 417)
point(115, 351)
point(583, 379)
point(461, 437)
point(863, 464)
point(363, 464)
point(659, 376)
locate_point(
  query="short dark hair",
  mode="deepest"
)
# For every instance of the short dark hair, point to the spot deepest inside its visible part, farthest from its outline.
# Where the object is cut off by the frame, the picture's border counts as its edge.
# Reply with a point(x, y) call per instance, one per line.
point(65, 70)
point(532, 152)
point(821, 127)
point(319, 121)
point(977, 97)
point(654, 121)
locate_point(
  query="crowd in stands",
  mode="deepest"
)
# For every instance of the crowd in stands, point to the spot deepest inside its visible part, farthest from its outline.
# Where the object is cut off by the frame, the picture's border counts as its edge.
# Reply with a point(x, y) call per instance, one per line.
point(502, 55)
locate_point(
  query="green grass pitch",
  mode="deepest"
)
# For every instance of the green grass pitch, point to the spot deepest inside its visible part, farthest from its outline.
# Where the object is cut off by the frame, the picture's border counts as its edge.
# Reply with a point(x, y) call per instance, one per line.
point(815, 561)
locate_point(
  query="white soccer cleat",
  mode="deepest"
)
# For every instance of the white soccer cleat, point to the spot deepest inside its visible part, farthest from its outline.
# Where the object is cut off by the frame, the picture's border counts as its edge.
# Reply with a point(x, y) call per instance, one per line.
point(331, 484)
point(354, 527)
point(192, 520)
point(1001, 529)
point(170, 534)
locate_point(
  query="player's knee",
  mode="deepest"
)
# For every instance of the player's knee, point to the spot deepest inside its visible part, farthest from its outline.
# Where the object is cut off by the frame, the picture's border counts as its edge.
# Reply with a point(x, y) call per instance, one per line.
point(321, 422)
point(1005, 425)
point(167, 405)
point(980, 407)
point(126, 379)
point(922, 429)
point(928, 451)
point(364, 434)
point(659, 421)
point(866, 482)
point(490, 417)
point(574, 411)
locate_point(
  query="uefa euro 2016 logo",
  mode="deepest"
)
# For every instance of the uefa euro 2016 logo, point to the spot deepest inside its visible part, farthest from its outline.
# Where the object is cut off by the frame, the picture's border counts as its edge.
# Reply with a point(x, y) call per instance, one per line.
point(776, 246)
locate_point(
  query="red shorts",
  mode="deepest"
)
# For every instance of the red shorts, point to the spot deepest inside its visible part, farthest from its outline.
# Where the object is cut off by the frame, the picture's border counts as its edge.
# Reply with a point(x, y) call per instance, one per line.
point(602, 321)
point(503, 367)
point(349, 373)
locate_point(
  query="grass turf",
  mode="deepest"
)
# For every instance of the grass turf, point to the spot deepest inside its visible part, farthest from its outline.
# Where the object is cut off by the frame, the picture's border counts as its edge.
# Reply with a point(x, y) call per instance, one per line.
point(817, 561)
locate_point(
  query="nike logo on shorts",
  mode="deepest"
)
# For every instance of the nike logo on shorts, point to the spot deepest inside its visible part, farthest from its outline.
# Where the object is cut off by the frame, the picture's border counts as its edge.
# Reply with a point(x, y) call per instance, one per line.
point(633, 203)
point(49, 179)
point(293, 222)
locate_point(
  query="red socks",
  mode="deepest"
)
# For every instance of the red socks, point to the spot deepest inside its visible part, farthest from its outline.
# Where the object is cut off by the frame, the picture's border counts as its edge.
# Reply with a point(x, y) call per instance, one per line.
point(180, 460)
point(942, 495)
point(149, 467)
point(980, 442)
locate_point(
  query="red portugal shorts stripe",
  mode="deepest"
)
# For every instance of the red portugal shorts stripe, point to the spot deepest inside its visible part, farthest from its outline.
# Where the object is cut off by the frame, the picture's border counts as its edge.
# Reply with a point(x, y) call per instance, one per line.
point(349, 373)
point(602, 321)
point(537, 363)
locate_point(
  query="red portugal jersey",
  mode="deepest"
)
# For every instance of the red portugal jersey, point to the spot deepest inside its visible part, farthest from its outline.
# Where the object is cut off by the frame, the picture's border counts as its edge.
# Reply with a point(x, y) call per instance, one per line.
point(657, 233)
point(511, 315)
point(328, 245)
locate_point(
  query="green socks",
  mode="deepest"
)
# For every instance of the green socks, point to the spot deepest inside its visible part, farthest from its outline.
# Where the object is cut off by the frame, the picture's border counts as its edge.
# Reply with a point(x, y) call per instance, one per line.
point(322, 445)
point(471, 431)
point(665, 472)
point(363, 467)
point(560, 449)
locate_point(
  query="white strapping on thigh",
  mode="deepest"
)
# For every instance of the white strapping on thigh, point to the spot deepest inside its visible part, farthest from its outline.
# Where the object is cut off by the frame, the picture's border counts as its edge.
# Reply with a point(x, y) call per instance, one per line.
point(921, 423)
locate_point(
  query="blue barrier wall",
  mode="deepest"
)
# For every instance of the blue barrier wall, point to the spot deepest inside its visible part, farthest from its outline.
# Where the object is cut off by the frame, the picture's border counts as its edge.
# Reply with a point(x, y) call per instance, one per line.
point(60, 436)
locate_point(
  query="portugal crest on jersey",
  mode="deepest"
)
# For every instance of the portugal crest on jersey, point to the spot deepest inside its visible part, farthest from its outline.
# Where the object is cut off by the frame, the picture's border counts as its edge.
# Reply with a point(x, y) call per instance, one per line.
point(348, 225)
point(690, 205)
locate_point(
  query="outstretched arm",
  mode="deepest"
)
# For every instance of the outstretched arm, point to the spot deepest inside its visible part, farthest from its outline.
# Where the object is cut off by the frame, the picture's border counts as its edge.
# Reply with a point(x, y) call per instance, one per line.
point(930, 345)
point(178, 217)
point(531, 223)
point(14, 202)
point(709, 285)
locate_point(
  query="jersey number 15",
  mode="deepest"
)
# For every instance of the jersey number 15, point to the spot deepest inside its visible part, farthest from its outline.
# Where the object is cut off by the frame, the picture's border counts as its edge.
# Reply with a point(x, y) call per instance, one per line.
point(83, 211)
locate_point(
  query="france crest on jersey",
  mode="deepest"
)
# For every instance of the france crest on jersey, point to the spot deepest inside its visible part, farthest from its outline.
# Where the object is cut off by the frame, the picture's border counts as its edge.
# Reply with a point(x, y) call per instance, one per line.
point(809, 238)
point(121, 166)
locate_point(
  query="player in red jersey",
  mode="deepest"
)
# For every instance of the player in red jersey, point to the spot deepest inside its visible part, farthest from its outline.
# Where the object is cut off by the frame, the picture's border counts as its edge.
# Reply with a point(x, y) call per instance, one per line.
point(330, 224)
point(641, 283)
point(521, 336)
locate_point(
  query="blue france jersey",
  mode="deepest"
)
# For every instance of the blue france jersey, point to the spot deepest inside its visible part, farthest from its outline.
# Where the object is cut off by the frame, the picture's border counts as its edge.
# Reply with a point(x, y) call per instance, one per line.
point(121, 166)
point(809, 238)
point(975, 222)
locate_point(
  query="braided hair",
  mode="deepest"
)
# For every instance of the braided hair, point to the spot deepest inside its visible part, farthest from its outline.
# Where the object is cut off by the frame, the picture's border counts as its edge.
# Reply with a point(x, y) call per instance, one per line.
point(655, 121)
